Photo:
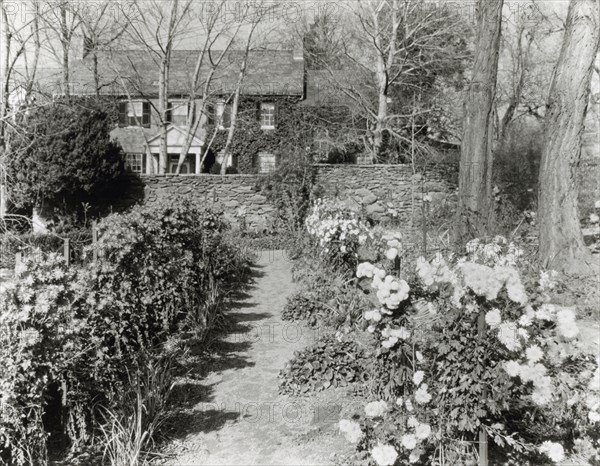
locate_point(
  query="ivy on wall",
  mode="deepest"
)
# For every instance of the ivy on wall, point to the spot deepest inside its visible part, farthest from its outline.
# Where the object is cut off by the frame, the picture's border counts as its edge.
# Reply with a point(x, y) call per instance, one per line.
point(295, 127)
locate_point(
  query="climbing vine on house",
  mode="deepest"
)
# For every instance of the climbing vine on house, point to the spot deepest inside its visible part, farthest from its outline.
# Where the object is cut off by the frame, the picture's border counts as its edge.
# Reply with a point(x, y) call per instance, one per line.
point(295, 127)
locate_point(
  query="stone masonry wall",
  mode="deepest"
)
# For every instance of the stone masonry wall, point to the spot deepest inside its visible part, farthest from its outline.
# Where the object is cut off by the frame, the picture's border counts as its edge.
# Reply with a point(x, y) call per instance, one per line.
point(361, 187)
point(235, 194)
point(372, 187)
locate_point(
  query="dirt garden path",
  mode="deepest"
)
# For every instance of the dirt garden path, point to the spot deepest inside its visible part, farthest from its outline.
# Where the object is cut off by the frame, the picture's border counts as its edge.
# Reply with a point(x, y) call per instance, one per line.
point(235, 415)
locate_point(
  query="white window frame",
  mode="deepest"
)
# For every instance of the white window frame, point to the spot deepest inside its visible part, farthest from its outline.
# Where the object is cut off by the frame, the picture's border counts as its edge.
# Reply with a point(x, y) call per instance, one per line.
point(271, 166)
point(267, 115)
point(220, 111)
point(179, 105)
point(134, 161)
point(135, 109)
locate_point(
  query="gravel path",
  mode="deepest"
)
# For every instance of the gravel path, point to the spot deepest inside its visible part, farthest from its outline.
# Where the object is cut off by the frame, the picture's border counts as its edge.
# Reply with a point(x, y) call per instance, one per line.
point(240, 418)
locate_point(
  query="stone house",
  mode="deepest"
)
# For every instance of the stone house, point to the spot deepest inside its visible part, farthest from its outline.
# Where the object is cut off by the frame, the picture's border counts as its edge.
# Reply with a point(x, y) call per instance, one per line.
point(274, 79)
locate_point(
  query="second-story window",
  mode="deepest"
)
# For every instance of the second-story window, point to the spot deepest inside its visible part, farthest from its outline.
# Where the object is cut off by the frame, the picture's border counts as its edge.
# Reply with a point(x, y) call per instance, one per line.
point(134, 113)
point(267, 116)
point(224, 115)
point(178, 113)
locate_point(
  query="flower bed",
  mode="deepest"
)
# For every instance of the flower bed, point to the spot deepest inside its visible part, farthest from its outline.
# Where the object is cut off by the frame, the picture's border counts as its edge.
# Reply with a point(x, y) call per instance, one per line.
point(77, 342)
point(462, 346)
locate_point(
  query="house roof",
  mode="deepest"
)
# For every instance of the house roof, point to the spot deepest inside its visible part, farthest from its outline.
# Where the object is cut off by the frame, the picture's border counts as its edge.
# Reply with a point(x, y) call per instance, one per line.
point(269, 72)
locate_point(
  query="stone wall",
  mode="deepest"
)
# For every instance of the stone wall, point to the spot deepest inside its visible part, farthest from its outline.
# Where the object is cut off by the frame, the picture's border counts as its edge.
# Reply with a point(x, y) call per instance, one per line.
point(361, 187)
point(236, 194)
point(372, 187)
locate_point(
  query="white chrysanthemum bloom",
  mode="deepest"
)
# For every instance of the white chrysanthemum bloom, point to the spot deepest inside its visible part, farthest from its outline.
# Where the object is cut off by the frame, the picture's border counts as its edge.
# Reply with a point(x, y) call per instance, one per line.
point(384, 455)
point(542, 391)
point(409, 441)
point(391, 254)
point(415, 455)
point(493, 318)
point(422, 396)
point(351, 430)
point(512, 368)
point(524, 320)
point(399, 401)
point(373, 315)
point(409, 405)
point(566, 323)
point(552, 450)
point(423, 431)
point(534, 354)
point(376, 408)
point(419, 356)
point(389, 343)
point(508, 336)
point(594, 218)
point(412, 422)
point(594, 417)
point(371, 328)
point(418, 377)
point(531, 372)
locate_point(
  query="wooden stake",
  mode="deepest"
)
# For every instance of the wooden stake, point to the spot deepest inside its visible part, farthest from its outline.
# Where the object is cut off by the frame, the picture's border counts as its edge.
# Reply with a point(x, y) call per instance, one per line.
point(67, 252)
point(95, 241)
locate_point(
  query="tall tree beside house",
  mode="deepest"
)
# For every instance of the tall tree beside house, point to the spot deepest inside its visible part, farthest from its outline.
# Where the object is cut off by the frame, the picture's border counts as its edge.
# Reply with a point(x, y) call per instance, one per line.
point(561, 240)
point(475, 190)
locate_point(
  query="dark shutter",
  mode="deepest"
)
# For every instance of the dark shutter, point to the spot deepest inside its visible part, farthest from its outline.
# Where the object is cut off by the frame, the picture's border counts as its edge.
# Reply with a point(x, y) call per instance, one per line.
point(143, 172)
point(258, 112)
point(210, 114)
point(227, 116)
point(275, 114)
point(146, 114)
point(191, 117)
point(169, 112)
point(123, 114)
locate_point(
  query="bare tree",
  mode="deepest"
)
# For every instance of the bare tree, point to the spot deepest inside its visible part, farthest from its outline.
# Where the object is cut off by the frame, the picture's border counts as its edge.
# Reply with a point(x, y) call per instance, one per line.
point(61, 20)
point(561, 240)
point(156, 26)
point(101, 26)
point(475, 188)
point(392, 51)
point(15, 39)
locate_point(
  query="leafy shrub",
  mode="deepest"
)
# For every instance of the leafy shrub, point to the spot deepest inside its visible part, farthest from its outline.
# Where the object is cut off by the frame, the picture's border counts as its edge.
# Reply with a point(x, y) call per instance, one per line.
point(67, 158)
point(328, 363)
point(345, 155)
point(304, 307)
point(288, 190)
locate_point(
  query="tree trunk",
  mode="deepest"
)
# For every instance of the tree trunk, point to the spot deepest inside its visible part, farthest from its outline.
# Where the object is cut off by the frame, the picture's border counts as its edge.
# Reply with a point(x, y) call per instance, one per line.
point(561, 240)
point(162, 110)
point(475, 188)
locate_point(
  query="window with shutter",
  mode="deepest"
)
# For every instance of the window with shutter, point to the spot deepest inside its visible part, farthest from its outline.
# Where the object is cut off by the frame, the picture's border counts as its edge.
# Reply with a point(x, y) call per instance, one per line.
point(146, 115)
point(134, 113)
point(123, 114)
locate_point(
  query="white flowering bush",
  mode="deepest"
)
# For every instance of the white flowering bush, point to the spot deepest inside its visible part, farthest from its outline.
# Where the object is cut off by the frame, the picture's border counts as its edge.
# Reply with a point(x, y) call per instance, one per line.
point(37, 339)
point(339, 232)
point(466, 345)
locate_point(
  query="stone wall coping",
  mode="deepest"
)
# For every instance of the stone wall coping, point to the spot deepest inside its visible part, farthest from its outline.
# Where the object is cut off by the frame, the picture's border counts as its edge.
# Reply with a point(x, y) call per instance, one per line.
point(370, 165)
point(202, 175)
